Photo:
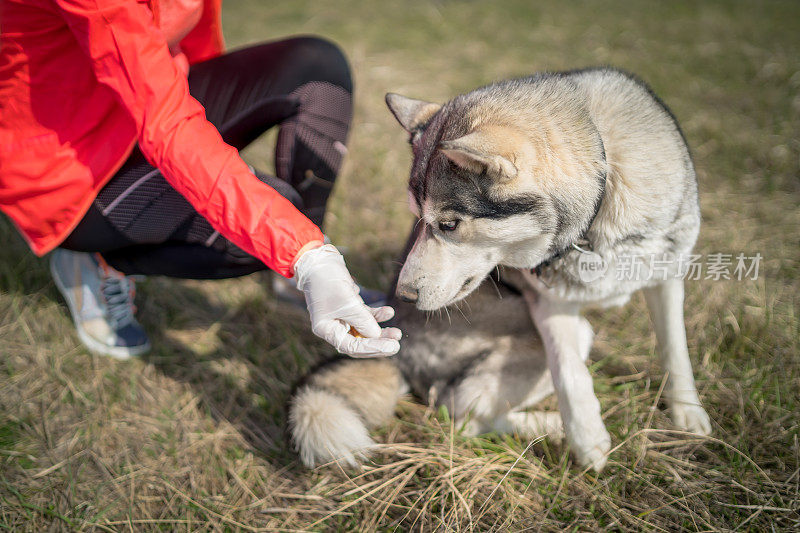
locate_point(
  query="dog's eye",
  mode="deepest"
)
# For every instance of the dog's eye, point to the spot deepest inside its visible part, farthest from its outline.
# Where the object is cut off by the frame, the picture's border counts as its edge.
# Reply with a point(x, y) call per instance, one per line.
point(449, 225)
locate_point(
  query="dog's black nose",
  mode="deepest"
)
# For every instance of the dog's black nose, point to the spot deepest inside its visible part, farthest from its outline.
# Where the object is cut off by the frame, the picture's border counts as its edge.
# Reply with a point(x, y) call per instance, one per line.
point(407, 294)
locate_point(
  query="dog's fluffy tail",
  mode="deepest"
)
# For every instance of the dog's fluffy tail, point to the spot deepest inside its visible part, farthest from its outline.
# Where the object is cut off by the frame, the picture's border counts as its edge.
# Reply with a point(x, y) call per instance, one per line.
point(329, 416)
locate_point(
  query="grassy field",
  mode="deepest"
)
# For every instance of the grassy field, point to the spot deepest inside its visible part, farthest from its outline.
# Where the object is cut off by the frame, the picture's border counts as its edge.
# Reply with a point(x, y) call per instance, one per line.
point(192, 436)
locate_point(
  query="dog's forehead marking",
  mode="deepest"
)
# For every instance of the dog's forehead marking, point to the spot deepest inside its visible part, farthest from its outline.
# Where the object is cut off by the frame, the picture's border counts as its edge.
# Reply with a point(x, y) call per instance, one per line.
point(442, 189)
point(424, 153)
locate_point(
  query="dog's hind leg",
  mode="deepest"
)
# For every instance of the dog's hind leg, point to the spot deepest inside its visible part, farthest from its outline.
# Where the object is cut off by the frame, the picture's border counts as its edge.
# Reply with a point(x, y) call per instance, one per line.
point(491, 396)
point(533, 424)
point(665, 302)
point(509, 380)
point(530, 424)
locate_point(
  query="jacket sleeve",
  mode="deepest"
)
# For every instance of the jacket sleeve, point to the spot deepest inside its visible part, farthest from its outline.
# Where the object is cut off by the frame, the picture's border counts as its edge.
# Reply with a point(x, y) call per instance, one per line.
point(205, 40)
point(130, 56)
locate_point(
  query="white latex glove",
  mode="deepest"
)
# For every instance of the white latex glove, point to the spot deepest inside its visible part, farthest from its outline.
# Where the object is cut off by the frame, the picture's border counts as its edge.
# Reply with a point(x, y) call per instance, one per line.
point(334, 305)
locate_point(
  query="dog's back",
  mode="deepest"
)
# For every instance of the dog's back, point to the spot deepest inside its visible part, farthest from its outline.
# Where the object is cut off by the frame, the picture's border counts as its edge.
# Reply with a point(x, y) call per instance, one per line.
point(646, 151)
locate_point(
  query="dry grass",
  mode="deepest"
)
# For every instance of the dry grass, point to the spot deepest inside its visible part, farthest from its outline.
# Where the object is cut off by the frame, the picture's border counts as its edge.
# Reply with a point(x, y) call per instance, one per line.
point(191, 437)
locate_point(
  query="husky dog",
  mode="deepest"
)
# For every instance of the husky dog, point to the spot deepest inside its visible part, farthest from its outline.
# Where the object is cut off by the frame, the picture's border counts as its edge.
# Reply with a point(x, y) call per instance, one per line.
point(562, 179)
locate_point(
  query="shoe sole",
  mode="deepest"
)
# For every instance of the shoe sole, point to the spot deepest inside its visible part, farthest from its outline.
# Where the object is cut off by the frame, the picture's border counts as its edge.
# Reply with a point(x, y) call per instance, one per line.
point(117, 352)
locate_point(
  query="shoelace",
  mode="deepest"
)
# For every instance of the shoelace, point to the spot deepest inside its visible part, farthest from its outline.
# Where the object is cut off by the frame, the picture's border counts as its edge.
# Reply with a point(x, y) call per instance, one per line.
point(118, 294)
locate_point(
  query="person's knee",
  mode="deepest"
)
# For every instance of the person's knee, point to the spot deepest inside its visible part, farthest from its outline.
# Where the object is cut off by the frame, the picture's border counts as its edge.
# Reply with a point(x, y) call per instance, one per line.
point(283, 188)
point(322, 60)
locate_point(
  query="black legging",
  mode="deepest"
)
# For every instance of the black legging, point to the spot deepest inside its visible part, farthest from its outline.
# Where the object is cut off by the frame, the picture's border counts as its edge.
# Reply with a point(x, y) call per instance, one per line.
point(141, 225)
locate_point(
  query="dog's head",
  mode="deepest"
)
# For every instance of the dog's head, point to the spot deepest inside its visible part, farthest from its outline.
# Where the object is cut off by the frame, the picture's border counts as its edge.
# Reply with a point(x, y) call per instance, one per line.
point(499, 177)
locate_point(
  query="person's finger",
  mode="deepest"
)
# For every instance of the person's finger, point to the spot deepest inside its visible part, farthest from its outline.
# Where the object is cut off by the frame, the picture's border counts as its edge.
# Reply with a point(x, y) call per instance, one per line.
point(337, 334)
point(382, 314)
point(391, 333)
point(362, 320)
point(380, 347)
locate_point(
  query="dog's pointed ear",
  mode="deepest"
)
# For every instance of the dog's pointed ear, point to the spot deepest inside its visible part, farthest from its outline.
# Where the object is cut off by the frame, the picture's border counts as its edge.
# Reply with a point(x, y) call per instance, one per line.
point(412, 114)
point(481, 152)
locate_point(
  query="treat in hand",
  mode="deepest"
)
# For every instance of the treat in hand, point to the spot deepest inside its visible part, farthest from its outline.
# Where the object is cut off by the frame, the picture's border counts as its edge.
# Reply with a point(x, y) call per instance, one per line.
point(337, 312)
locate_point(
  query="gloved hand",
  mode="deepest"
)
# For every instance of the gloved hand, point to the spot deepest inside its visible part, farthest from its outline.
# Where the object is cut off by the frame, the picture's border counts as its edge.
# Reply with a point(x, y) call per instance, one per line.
point(334, 305)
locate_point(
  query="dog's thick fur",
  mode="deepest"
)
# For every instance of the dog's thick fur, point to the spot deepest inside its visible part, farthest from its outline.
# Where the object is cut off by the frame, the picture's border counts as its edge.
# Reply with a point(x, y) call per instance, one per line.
point(526, 174)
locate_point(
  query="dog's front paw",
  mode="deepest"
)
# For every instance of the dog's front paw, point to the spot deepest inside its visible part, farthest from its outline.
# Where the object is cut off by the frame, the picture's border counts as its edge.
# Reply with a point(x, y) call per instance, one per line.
point(593, 452)
point(691, 417)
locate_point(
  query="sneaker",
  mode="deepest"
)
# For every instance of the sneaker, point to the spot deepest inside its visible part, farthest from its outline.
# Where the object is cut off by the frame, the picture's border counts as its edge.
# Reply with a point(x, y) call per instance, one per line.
point(100, 300)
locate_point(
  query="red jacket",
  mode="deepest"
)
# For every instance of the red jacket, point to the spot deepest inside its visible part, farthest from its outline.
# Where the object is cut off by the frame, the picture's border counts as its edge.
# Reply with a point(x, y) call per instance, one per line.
point(82, 81)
